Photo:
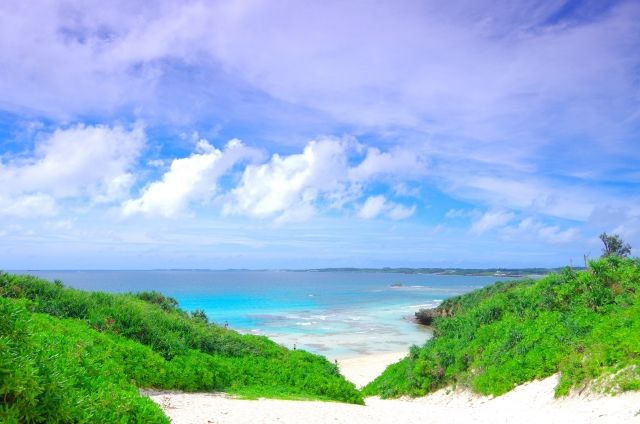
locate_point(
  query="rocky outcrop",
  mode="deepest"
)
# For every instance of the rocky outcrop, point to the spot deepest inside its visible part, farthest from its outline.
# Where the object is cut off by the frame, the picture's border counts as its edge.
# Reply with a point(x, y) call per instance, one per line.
point(427, 315)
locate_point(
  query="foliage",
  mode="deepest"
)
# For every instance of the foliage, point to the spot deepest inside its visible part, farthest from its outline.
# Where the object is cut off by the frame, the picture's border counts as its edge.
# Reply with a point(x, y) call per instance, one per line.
point(614, 246)
point(165, 302)
point(72, 356)
point(199, 315)
point(584, 324)
point(54, 371)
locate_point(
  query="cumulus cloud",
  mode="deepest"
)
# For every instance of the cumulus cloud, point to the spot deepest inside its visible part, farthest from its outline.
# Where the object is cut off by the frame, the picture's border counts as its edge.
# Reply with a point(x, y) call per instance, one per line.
point(92, 162)
point(491, 220)
point(375, 206)
point(190, 179)
point(291, 184)
point(98, 164)
point(461, 82)
point(478, 99)
point(293, 187)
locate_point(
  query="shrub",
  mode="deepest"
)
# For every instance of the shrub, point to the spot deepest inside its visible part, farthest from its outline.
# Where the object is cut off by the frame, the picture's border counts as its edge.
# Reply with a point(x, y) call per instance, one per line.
point(145, 340)
point(200, 316)
point(55, 371)
point(583, 324)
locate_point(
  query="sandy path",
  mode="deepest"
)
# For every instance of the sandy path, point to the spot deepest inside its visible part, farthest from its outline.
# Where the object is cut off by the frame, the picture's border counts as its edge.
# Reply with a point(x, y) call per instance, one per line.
point(363, 369)
point(529, 403)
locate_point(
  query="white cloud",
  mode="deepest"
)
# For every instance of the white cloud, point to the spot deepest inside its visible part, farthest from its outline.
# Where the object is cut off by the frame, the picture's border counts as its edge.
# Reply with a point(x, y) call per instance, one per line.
point(396, 163)
point(93, 162)
point(458, 213)
point(491, 220)
point(398, 212)
point(96, 164)
point(378, 205)
point(28, 206)
point(115, 188)
point(293, 187)
point(532, 195)
point(404, 190)
point(529, 228)
point(555, 235)
point(621, 220)
point(156, 163)
point(372, 207)
point(509, 89)
point(290, 55)
point(286, 184)
point(190, 179)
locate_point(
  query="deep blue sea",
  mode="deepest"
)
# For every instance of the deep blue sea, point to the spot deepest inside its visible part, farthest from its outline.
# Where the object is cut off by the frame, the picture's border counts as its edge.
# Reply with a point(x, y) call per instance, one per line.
point(336, 314)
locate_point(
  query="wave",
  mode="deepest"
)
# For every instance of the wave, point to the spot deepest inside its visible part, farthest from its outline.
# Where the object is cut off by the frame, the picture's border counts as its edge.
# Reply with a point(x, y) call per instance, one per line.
point(424, 305)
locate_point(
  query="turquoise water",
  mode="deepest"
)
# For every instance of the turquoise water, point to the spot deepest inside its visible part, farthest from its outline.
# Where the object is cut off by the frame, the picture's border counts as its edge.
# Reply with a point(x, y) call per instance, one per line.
point(336, 314)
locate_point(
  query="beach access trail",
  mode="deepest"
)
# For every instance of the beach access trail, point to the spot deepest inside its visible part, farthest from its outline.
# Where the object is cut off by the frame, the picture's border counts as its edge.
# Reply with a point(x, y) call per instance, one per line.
point(529, 403)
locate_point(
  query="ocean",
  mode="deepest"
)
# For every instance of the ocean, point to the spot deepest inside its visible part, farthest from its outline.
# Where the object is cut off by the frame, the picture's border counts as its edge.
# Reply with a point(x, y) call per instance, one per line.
point(335, 314)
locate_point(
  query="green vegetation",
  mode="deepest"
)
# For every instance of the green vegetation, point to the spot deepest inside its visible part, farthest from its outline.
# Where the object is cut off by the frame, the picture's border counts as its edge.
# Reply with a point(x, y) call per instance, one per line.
point(54, 370)
point(584, 324)
point(614, 246)
point(73, 356)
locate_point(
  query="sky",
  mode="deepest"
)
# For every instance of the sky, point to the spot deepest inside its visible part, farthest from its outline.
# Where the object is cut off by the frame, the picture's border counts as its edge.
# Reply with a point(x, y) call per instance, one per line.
point(304, 134)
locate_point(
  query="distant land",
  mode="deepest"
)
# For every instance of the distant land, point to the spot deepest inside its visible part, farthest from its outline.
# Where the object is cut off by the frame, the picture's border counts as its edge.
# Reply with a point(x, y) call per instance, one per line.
point(473, 272)
point(496, 272)
point(469, 272)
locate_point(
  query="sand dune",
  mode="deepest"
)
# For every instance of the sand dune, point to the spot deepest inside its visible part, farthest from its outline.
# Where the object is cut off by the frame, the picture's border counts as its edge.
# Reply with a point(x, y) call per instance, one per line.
point(529, 403)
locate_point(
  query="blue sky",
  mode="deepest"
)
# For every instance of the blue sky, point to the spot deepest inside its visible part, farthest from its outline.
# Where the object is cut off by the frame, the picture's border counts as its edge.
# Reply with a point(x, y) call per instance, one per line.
point(295, 134)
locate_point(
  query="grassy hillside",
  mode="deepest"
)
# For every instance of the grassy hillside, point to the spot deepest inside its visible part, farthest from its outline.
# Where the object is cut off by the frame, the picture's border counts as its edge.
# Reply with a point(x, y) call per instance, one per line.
point(584, 324)
point(73, 356)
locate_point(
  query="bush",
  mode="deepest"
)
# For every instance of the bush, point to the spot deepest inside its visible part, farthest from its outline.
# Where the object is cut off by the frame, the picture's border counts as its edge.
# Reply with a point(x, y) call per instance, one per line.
point(54, 371)
point(155, 298)
point(200, 316)
point(97, 343)
point(583, 324)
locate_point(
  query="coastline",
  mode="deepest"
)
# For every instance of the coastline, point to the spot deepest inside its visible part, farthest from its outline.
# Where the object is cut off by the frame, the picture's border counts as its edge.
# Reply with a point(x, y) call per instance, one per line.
point(532, 402)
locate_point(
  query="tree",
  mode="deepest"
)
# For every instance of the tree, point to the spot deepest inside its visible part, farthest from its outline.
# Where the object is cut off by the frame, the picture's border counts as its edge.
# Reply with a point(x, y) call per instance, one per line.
point(614, 246)
point(199, 315)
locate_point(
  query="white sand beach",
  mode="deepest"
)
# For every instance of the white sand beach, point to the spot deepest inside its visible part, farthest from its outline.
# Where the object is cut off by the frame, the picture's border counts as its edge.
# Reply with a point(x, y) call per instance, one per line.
point(360, 370)
point(529, 403)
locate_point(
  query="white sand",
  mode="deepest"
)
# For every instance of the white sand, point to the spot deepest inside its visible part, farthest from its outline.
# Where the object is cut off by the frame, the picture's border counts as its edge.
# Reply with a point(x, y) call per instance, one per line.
point(529, 403)
point(363, 369)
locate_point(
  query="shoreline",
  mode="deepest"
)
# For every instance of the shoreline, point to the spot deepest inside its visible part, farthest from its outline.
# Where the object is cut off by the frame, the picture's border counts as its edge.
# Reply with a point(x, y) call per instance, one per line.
point(531, 402)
